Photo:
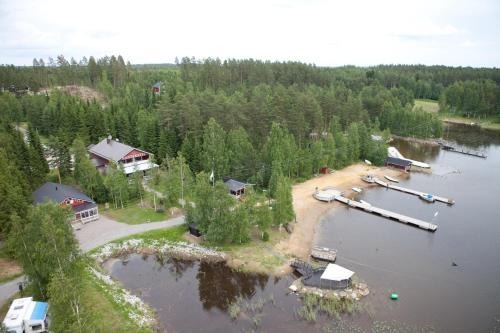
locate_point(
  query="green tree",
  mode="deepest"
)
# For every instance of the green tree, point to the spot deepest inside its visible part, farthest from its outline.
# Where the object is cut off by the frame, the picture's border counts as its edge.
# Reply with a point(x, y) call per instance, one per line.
point(45, 244)
point(178, 180)
point(214, 156)
point(117, 185)
point(283, 204)
point(87, 175)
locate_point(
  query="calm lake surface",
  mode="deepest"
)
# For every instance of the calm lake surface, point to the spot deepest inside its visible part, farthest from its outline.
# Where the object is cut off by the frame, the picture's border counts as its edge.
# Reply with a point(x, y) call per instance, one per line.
point(190, 296)
point(417, 264)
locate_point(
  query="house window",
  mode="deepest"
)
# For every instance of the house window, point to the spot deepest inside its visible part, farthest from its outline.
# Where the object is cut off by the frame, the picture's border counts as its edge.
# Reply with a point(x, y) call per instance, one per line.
point(37, 327)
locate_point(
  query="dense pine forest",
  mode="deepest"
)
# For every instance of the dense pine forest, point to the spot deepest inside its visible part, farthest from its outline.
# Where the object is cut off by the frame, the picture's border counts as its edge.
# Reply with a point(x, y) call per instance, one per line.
point(239, 118)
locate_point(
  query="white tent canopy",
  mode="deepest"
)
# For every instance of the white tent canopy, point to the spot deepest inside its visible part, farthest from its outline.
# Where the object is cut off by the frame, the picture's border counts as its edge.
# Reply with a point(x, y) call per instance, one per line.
point(335, 272)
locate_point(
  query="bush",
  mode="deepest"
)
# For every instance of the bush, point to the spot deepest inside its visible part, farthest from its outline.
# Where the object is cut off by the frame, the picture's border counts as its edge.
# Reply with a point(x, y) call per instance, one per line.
point(265, 236)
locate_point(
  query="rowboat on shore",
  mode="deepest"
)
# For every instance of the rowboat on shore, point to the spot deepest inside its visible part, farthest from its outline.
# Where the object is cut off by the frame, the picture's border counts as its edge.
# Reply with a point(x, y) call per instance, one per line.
point(357, 189)
point(368, 162)
point(391, 179)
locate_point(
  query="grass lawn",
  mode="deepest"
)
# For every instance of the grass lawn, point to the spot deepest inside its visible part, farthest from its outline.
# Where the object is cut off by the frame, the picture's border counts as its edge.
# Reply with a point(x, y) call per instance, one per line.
point(428, 105)
point(133, 214)
point(109, 317)
point(174, 234)
point(257, 255)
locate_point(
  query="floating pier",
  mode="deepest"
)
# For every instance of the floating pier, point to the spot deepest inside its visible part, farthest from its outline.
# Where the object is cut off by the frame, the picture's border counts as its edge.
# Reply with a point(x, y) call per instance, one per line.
point(449, 147)
point(414, 192)
point(324, 253)
point(331, 195)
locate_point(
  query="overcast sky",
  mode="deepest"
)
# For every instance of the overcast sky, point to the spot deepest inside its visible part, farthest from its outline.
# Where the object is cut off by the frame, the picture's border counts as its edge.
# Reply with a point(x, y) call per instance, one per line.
point(327, 33)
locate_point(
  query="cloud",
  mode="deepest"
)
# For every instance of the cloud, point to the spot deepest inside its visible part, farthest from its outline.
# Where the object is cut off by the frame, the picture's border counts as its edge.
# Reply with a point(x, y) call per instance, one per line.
point(360, 32)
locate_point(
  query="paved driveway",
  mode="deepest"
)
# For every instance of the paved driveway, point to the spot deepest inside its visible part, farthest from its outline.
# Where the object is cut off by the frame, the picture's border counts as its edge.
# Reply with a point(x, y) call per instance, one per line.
point(105, 230)
point(94, 234)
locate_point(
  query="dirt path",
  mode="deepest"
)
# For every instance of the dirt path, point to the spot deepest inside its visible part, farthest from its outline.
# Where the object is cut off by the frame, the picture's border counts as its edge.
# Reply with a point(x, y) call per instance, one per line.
point(309, 210)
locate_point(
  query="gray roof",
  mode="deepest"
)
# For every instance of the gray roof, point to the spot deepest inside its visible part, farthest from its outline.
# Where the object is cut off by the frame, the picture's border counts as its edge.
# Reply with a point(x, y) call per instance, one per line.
point(57, 192)
point(157, 85)
point(113, 150)
point(398, 161)
point(234, 185)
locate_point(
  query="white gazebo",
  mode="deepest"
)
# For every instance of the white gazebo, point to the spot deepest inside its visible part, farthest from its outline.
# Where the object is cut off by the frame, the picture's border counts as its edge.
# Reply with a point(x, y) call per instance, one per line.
point(336, 277)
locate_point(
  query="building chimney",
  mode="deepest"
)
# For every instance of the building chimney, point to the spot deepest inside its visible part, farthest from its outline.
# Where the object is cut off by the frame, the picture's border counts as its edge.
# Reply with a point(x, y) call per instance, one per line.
point(108, 140)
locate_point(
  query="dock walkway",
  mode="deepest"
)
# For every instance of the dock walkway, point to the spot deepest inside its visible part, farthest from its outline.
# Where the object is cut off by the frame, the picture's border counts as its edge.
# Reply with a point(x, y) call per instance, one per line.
point(377, 211)
point(414, 192)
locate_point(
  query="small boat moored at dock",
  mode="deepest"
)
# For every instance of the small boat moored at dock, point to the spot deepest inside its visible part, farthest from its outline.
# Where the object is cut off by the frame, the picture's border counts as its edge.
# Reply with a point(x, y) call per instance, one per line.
point(357, 189)
point(391, 179)
point(427, 197)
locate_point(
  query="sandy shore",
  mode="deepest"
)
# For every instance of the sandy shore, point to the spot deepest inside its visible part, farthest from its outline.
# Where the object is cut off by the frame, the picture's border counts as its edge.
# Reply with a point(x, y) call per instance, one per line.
point(309, 211)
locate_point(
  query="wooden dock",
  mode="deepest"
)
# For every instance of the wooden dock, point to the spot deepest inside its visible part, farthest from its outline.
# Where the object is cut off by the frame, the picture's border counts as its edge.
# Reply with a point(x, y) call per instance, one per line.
point(450, 147)
point(330, 196)
point(388, 214)
point(324, 253)
point(414, 192)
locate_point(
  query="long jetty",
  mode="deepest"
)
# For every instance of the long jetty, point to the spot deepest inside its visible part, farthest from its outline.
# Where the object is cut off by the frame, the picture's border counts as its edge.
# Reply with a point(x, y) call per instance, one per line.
point(450, 147)
point(329, 195)
point(410, 191)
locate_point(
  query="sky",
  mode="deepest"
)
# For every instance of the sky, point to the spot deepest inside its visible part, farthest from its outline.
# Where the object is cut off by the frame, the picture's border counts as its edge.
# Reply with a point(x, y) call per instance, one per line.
point(326, 33)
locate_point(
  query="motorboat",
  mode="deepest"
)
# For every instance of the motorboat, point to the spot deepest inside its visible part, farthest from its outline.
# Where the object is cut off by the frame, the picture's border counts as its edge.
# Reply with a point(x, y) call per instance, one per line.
point(357, 189)
point(427, 197)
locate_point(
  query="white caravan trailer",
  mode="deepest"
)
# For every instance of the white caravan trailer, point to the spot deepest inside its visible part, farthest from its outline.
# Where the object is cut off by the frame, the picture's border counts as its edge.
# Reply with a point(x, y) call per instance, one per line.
point(26, 316)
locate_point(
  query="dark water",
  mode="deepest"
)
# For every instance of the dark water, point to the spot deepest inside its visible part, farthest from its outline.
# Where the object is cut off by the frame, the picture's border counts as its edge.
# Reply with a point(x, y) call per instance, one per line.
point(417, 264)
point(389, 256)
point(190, 296)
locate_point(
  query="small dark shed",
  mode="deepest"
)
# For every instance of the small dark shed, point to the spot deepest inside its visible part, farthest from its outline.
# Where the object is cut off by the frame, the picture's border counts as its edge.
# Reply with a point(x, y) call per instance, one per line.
point(398, 163)
point(236, 188)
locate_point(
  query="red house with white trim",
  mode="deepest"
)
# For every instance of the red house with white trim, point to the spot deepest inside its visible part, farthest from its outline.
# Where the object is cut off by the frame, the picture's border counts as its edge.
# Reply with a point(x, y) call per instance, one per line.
point(128, 159)
point(84, 208)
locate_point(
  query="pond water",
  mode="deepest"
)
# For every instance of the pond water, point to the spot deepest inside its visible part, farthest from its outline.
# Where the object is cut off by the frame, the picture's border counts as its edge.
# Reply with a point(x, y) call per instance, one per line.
point(190, 296)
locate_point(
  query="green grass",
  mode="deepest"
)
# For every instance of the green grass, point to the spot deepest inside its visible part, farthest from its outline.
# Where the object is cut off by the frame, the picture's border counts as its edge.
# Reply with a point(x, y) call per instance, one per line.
point(109, 316)
point(174, 234)
point(132, 214)
point(428, 105)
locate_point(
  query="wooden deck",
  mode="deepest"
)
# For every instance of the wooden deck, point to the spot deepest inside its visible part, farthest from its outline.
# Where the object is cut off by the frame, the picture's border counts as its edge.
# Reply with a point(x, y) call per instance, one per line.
point(324, 253)
point(388, 214)
point(414, 192)
point(377, 211)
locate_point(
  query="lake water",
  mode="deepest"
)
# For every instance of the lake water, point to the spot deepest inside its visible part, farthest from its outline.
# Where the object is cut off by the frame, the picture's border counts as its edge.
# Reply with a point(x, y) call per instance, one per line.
point(393, 257)
point(390, 256)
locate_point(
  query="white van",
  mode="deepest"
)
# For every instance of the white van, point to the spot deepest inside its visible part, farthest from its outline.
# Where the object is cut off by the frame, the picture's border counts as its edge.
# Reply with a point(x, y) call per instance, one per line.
point(26, 316)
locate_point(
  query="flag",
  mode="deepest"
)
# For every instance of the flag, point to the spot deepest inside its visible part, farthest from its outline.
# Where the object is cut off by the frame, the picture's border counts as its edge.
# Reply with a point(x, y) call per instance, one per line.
point(211, 176)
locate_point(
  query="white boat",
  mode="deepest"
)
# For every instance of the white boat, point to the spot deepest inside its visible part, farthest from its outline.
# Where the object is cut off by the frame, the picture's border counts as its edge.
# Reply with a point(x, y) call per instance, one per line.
point(357, 189)
point(368, 162)
point(427, 197)
point(393, 152)
point(391, 179)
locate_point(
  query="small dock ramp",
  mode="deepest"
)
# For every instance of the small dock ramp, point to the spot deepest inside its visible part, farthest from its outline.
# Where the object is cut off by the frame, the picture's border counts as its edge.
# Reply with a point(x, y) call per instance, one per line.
point(305, 269)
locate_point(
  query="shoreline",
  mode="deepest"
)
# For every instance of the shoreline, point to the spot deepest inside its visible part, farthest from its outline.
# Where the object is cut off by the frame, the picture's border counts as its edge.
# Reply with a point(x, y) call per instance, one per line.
point(310, 211)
